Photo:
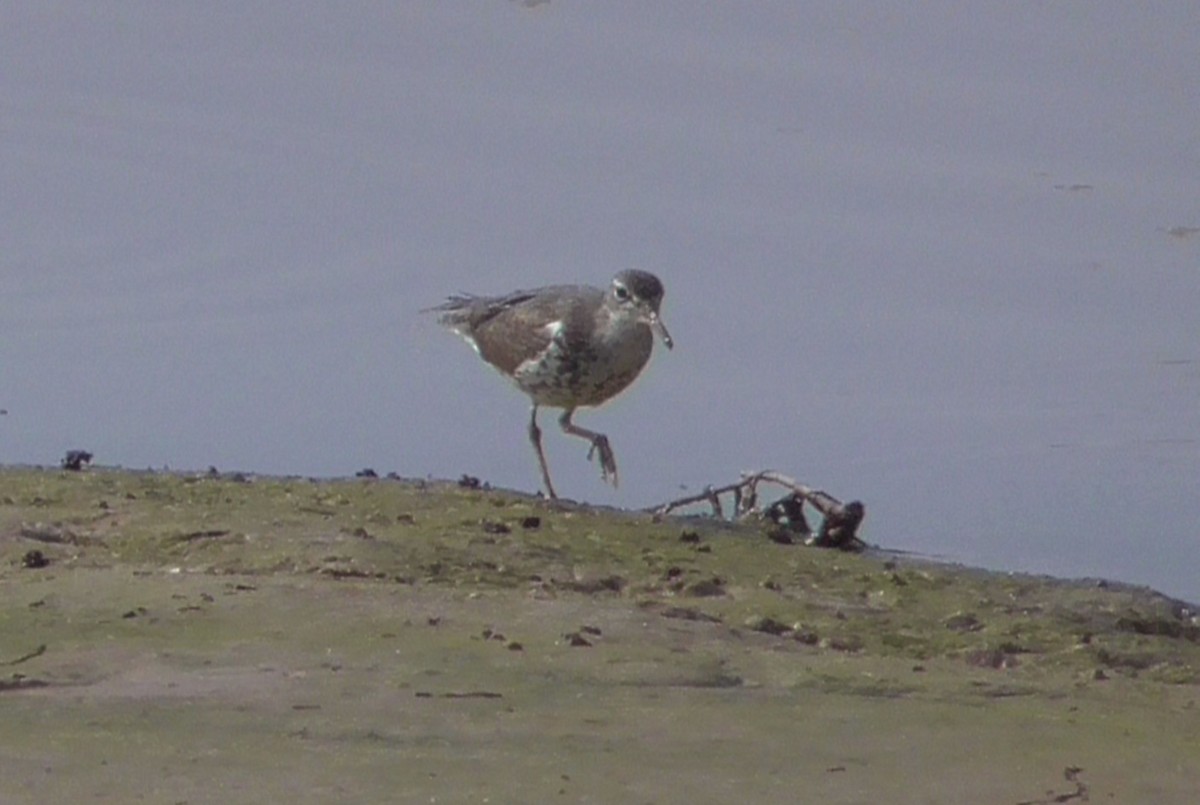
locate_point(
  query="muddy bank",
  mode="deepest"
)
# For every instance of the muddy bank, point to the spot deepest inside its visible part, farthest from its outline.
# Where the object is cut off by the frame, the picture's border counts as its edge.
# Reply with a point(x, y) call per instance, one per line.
point(196, 639)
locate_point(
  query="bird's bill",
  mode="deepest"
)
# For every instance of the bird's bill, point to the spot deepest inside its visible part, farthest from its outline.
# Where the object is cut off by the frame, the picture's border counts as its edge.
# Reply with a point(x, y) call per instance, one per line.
point(660, 330)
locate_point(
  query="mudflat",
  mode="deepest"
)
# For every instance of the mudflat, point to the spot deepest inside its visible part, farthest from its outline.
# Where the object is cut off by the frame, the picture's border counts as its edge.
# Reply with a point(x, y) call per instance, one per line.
point(221, 638)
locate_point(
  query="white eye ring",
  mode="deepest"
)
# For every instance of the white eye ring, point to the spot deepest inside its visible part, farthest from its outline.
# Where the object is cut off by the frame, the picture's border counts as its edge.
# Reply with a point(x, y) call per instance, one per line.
point(621, 292)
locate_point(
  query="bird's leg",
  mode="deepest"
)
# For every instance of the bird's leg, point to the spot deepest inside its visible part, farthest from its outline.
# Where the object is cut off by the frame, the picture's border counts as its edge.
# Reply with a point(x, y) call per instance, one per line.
point(535, 436)
point(608, 462)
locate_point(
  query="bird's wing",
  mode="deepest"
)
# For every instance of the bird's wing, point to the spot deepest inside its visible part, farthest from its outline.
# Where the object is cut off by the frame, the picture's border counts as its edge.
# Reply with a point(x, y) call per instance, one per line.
point(512, 329)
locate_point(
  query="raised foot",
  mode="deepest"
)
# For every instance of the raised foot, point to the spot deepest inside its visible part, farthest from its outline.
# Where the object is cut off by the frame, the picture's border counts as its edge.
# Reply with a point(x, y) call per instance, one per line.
point(608, 461)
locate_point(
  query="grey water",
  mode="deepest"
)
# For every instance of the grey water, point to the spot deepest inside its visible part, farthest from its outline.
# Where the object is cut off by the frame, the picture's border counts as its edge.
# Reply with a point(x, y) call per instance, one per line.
point(944, 259)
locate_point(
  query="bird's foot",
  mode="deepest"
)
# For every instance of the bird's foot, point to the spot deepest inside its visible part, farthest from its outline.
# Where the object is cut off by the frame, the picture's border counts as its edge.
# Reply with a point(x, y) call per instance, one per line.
point(608, 461)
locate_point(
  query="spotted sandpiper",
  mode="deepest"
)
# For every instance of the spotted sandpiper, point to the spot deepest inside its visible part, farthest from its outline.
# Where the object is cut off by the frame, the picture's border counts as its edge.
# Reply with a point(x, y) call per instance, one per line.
point(566, 346)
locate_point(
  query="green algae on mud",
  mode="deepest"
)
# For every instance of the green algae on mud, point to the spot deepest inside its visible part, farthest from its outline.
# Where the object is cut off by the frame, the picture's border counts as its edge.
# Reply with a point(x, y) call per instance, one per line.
point(441, 534)
point(401, 636)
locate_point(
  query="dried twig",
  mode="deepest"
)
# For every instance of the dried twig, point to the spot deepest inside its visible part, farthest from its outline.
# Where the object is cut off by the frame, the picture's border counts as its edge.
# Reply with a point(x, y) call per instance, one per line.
point(715, 500)
point(37, 652)
point(1071, 775)
point(840, 522)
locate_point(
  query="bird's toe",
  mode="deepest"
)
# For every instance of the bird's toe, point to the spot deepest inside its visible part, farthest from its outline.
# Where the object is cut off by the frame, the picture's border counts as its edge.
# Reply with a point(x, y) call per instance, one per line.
point(608, 460)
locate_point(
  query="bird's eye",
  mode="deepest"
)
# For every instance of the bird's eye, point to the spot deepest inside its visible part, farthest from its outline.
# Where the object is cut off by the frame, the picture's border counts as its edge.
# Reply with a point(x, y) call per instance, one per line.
point(621, 291)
